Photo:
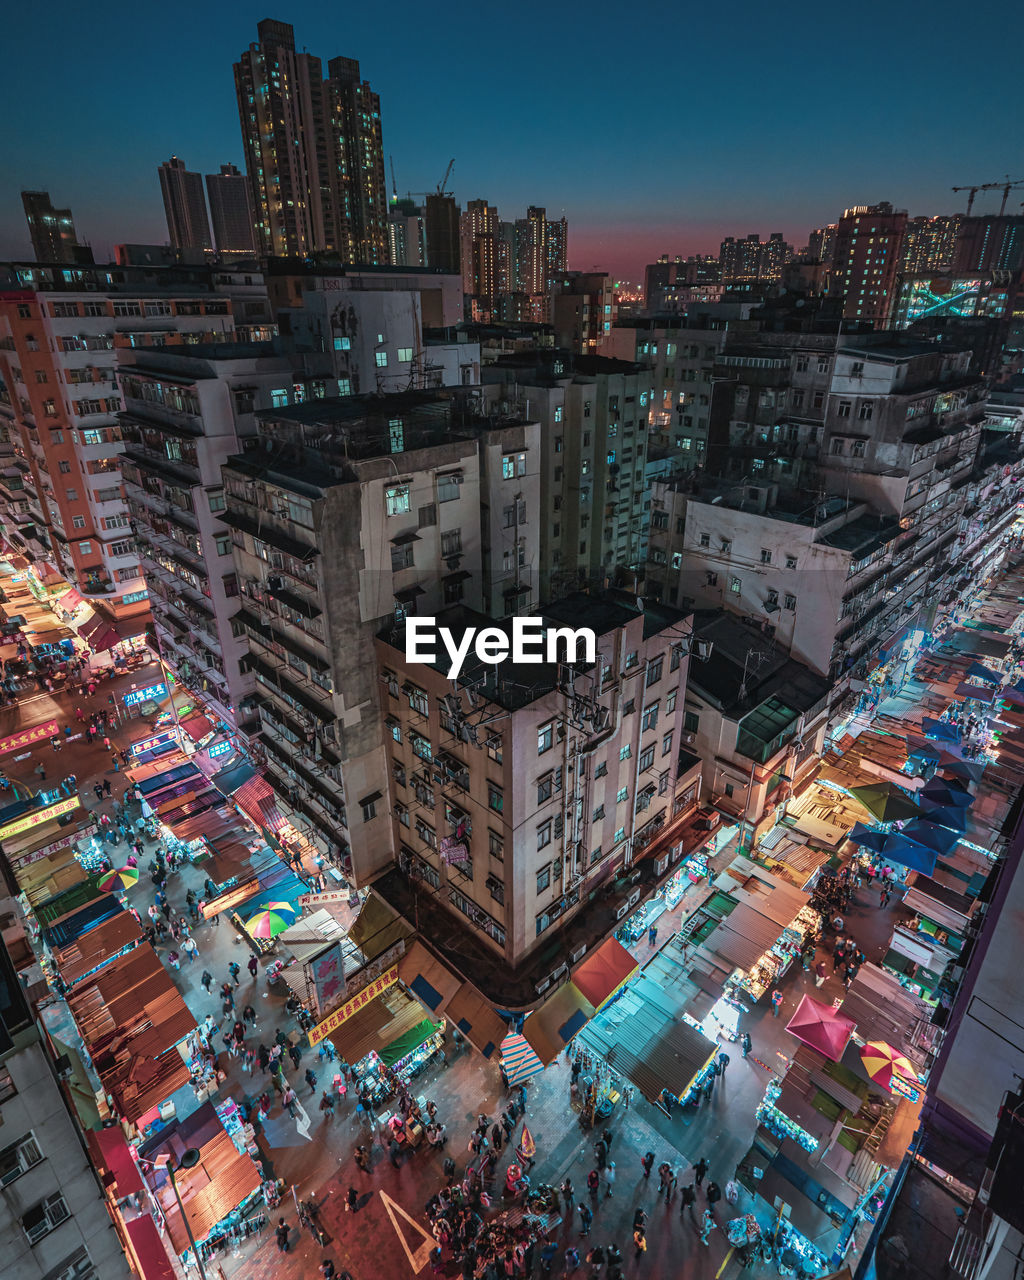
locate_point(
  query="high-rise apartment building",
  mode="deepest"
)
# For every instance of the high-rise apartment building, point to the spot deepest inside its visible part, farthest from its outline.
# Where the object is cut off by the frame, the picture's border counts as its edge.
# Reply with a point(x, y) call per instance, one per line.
point(928, 243)
point(441, 219)
point(541, 250)
point(989, 243)
point(313, 151)
point(866, 260)
point(752, 258)
point(821, 243)
point(188, 226)
point(407, 233)
point(231, 210)
point(479, 238)
point(52, 230)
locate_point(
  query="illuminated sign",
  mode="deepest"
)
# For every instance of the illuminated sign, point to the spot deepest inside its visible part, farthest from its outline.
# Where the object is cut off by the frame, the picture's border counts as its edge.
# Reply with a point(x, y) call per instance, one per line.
point(905, 1090)
point(350, 1007)
point(150, 744)
point(154, 693)
point(219, 749)
point(36, 819)
point(36, 855)
point(29, 736)
point(317, 899)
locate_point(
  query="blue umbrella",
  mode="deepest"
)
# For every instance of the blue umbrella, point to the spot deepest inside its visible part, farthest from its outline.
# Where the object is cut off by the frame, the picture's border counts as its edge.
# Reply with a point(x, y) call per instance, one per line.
point(947, 816)
point(978, 672)
point(939, 839)
point(924, 752)
point(971, 770)
point(868, 837)
point(908, 853)
point(943, 792)
point(943, 730)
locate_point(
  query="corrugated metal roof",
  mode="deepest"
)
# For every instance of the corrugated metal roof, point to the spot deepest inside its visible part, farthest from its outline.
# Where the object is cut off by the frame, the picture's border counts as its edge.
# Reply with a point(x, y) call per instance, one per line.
point(563, 1015)
point(738, 950)
point(220, 1181)
point(430, 981)
point(376, 1025)
point(92, 948)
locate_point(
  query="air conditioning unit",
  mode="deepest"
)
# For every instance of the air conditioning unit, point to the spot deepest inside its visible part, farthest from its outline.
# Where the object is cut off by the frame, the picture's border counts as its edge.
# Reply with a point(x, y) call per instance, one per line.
point(560, 972)
point(661, 865)
point(634, 898)
point(578, 954)
point(541, 987)
point(622, 911)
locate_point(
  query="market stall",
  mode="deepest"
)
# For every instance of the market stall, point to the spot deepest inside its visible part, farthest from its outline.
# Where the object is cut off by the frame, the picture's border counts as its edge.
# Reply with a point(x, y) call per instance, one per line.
point(555, 1023)
point(757, 948)
point(603, 973)
point(821, 1028)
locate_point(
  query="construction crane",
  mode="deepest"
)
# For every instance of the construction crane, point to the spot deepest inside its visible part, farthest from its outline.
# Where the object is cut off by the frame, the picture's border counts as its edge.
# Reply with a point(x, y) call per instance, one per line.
point(442, 185)
point(394, 184)
point(1006, 187)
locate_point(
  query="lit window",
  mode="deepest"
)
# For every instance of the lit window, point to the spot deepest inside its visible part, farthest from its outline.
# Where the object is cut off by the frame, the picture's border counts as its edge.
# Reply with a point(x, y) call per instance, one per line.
point(405, 355)
point(381, 357)
point(342, 344)
point(397, 500)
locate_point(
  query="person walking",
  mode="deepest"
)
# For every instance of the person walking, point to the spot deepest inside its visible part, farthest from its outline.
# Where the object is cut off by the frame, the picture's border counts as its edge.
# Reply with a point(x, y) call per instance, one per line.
point(714, 1194)
point(639, 1243)
point(593, 1182)
point(688, 1198)
point(253, 967)
point(568, 1194)
point(234, 970)
point(106, 786)
point(288, 1100)
point(282, 1234)
point(311, 1080)
point(188, 946)
point(820, 973)
point(745, 1043)
point(647, 1163)
point(723, 1062)
point(707, 1225)
point(586, 1218)
point(652, 935)
point(700, 1170)
point(609, 1179)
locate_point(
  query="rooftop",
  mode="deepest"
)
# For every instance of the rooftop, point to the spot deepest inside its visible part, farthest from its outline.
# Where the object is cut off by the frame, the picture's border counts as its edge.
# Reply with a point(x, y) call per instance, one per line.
point(863, 535)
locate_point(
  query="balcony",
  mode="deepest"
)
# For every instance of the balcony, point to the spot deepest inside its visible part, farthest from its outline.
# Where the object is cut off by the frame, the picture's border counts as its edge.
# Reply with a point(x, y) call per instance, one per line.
point(266, 532)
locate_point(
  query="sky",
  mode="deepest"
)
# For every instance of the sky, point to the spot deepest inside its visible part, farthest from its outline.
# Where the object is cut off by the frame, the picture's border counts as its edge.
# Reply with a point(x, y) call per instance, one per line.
point(654, 127)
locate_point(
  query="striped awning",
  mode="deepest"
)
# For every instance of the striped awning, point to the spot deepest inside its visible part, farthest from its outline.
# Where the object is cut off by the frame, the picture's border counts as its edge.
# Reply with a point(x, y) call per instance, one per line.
point(518, 1060)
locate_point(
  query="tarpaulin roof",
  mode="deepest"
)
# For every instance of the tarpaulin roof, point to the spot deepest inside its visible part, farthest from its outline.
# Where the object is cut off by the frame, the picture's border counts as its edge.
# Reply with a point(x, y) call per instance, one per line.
point(908, 853)
point(604, 971)
point(947, 816)
point(930, 834)
point(518, 1059)
point(885, 801)
point(430, 981)
point(867, 837)
point(376, 928)
point(197, 727)
point(477, 1021)
point(941, 729)
point(377, 1024)
point(820, 1027)
point(561, 1017)
point(148, 1249)
point(399, 1048)
point(977, 692)
point(946, 791)
point(113, 1159)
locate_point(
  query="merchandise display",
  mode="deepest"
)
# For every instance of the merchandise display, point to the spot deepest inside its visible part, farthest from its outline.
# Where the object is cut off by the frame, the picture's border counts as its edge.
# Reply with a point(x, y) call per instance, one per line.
point(777, 1123)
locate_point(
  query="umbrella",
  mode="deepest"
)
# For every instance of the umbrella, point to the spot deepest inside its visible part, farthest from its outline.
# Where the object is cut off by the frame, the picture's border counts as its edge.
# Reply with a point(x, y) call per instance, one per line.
point(943, 730)
point(924, 751)
point(272, 920)
point(882, 1062)
point(518, 1059)
point(947, 816)
point(969, 770)
point(819, 1026)
point(119, 878)
point(977, 671)
point(886, 802)
point(931, 835)
point(908, 853)
point(945, 791)
point(868, 837)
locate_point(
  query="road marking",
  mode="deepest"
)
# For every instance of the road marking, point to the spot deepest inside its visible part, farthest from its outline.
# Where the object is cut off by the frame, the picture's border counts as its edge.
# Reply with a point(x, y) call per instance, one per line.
point(724, 1264)
point(419, 1259)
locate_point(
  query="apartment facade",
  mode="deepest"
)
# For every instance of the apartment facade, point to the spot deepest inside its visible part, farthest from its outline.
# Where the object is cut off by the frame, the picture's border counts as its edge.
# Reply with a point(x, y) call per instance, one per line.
point(52, 231)
point(519, 791)
point(62, 331)
point(231, 210)
point(345, 514)
point(866, 257)
point(188, 224)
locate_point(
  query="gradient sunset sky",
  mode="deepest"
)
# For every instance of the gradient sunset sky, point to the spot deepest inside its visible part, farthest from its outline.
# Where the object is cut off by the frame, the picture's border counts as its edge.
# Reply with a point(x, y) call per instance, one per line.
point(653, 127)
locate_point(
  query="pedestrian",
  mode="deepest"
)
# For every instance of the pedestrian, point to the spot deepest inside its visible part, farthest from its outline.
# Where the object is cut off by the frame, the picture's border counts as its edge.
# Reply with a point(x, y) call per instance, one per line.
point(776, 1002)
point(745, 1043)
point(106, 786)
point(688, 1197)
point(174, 960)
point(593, 1182)
point(640, 1242)
point(609, 1179)
point(572, 1260)
point(714, 1194)
point(586, 1218)
point(311, 1080)
point(639, 1219)
point(282, 1233)
point(820, 973)
point(55, 742)
point(253, 967)
point(652, 935)
point(234, 970)
point(362, 1158)
point(700, 1170)
point(295, 1053)
point(351, 1200)
point(40, 769)
point(647, 1163)
point(567, 1194)
point(394, 1151)
point(249, 1014)
point(723, 1062)
point(707, 1225)
point(188, 946)
point(288, 1100)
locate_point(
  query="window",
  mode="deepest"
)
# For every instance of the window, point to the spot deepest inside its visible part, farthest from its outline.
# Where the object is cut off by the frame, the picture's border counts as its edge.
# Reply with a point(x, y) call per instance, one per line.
point(512, 465)
point(735, 585)
point(837, 447)
point(691, 721)
point(396, 730)
point(421, 746)
point(426, 833)
point(790, 562)
point(857, 449)
point(405, 355)
point(601, 769)
point(128, 573)
point(396, 500)
point(381, 358)
point(729, 789)
point(622, 795)
point(544, 834)
point(666, 744)
point(705, 539)
point(773, 598)
point(222, 541)
point(620, 835)
point(85, 548)
point(790, 602)
point(544, 789)
point(448, 486)
point(495, 798)
point(632, 659)
point(279, 398)
point(230, 582)
point(402, 813)
point(843, 410)
point(650, 717)
point(544, 876)
point(646, 758)
point(78, 522)
point(625, 752)
point(710, 579)
point(726, 546)
point(369, 808)
point(17, 1158)
point(496, 888)
point(654, 671)
point(40, 1220)
point(598, 813)
point(766, 555)
point(401, 558)
point(629, 707)
point(494, 745)
point(545, 737)
point(215, 500)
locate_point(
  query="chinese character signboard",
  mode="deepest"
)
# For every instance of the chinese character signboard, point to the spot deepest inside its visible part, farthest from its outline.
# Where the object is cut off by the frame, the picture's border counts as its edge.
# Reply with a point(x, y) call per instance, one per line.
point(319, 899)
point(327, 973)
point(40, 733)
point(345, 1011)
point(154, 693)
point(38, 817)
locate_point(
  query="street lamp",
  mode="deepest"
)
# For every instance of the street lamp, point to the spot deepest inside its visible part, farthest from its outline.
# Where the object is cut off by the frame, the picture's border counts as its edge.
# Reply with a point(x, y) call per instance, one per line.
point(190, 1157)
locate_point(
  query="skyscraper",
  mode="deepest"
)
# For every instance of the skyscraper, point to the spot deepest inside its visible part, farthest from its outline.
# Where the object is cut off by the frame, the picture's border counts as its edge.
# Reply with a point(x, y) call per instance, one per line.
point(442, 231)
point(188, 227)
point(754, 259)
point(479, 228)
point(52, 230)
point(866, 260)
point(408, 233)
point(989, 243)
point(231, 210)
point(313, 151)
point(928, 243)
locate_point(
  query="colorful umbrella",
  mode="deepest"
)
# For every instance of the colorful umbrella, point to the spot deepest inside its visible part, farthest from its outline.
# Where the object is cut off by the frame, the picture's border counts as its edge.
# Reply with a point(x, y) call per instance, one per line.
point(886, 802)
point(882, 1062)
point(820, 1027)
point(518, 1059)
point(527, 1146)
point(272, 920)
point(119, 878)
point(868, 837)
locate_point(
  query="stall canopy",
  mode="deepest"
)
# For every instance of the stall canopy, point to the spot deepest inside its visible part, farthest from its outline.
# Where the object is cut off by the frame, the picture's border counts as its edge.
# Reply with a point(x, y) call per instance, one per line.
point(931, 835)
point(821, 1028)
point(941, 730)
point(112, 1157)
point(476, 1020)
point(405, 1043)
point(148, 1249)
point(974, 692)
point(379, 1023)
point(744, 937)
point(431, 982)
point(868, 837)
point(885, 802)
point(88, 951)
point(603, 973)
point(376, 928)
point(908, 853)
point(518, 1060)
point(945, 792)
point(561, 1017)
point(198, 727)
point(947, 816)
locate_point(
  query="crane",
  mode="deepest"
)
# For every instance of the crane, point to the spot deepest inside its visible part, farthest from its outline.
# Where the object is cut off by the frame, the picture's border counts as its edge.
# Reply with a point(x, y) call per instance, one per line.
point(444, 181)
point(394, 184)
point(1005, 186)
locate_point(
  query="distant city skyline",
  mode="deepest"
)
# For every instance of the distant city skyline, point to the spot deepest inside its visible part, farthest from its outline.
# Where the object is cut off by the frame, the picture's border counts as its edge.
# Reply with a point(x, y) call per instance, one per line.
point(655, 163)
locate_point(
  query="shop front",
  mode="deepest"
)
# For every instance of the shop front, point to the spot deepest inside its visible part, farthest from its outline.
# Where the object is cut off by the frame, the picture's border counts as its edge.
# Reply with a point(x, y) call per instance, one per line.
point(760, 951)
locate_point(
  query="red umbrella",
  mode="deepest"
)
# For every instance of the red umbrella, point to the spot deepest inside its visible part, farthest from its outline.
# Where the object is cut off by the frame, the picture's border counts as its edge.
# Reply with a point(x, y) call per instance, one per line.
point(822, 1028)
